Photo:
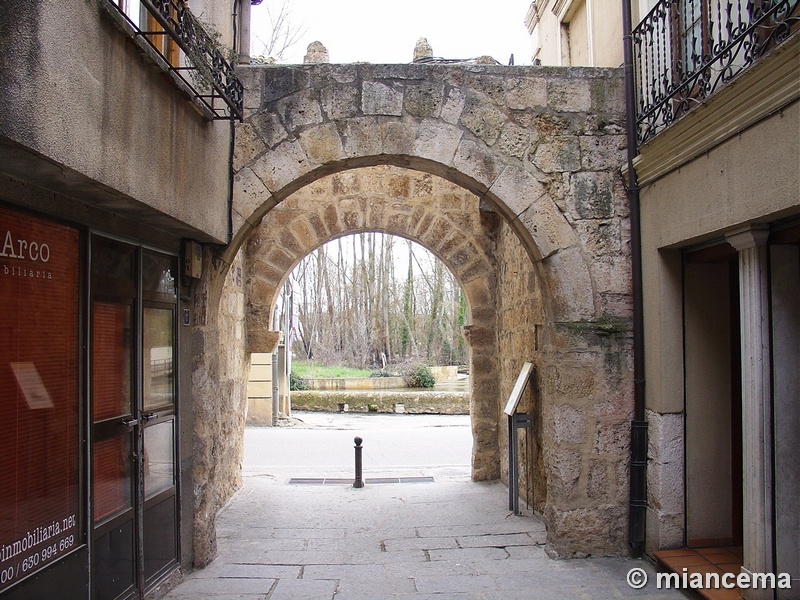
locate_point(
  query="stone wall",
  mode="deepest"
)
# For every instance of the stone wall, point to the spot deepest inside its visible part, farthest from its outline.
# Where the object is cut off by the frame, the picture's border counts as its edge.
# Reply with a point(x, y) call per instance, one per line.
point(520, 319)
point(414, 401)
point(586, 381)
point(536, 149)
point(220, 393)
point(355, 383)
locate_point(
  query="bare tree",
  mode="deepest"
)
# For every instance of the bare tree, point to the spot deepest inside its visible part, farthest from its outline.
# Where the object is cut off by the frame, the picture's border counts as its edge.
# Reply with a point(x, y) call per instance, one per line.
point(355, 309)
point(282, 34)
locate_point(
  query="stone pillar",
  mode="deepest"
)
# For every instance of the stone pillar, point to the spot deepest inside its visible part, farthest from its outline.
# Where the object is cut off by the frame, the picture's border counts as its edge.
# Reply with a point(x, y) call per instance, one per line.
point(785, 276)
point(244, 33)
point(316, 53)
point(756, 398)
point(483, 410)
point(422, 50)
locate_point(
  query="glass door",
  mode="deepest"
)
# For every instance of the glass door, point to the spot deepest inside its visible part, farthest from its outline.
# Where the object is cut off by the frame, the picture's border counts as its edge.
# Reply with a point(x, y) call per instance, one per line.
point(134, 491)
point(114, 420)
point(160, 543)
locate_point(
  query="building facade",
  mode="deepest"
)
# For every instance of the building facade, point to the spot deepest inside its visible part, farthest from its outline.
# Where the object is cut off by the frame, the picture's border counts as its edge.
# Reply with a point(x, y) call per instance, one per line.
point(718, 168)
point(114, 142)
point(717, 124)
point(578, 33)
point(129, 310)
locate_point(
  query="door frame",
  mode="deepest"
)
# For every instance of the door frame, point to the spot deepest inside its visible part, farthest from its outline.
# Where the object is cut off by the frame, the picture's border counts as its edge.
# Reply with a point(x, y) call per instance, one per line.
point(139, 419)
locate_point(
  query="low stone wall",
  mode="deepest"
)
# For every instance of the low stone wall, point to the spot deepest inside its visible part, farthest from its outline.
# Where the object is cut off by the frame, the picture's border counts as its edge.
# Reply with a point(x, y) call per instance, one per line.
point(355, 383)
point(413, 401)
point(445, 374)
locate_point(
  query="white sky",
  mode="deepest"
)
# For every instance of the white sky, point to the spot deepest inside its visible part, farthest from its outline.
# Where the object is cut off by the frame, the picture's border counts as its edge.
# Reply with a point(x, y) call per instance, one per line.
point(386, 32)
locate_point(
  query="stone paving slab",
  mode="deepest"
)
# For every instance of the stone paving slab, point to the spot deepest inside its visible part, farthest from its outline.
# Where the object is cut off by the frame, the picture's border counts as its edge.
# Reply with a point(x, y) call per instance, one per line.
point(452, 540)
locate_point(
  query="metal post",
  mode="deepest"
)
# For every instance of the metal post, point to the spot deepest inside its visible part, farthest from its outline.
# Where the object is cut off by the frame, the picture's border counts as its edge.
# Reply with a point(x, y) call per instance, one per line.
point(515, 422)
point(359, 482)
point(513, 469)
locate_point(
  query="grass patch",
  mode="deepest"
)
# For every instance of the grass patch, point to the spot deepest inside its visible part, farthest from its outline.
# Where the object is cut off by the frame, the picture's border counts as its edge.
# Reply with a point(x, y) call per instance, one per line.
point(311, 370)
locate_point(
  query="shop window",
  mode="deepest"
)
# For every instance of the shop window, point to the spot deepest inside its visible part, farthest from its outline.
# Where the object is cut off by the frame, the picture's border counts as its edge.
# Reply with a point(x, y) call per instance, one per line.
point(40, 433)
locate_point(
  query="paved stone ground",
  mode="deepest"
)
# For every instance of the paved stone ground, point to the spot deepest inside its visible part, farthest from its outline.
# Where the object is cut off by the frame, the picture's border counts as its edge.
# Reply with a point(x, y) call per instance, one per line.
point(450, 539)
point(419, 541)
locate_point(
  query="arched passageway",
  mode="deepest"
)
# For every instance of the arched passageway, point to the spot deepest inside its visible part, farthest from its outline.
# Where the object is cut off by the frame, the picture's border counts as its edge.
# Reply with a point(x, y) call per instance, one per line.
point(544, 264)
point(437, 214)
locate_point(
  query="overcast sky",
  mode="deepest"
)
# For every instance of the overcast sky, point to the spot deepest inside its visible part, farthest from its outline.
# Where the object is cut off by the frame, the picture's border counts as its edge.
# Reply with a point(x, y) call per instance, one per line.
point(386, 32)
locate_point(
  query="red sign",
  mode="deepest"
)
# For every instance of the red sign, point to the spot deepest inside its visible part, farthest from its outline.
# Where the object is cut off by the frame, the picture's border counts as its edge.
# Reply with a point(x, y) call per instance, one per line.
point(39, 407)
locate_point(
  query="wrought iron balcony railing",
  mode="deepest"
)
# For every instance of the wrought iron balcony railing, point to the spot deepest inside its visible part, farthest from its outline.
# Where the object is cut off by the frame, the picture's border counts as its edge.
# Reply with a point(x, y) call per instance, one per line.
point(684, 50)
point(188, 52)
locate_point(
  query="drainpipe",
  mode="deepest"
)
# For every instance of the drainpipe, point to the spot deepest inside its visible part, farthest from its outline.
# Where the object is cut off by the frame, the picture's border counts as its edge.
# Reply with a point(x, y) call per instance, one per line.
point(234, 17)
point(230, 180)
point(638, 483)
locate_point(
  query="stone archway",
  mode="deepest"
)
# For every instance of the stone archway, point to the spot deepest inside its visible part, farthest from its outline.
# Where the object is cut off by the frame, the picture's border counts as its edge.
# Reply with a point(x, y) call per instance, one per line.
point(541, 147)
point(439, 215)
point(519, 139)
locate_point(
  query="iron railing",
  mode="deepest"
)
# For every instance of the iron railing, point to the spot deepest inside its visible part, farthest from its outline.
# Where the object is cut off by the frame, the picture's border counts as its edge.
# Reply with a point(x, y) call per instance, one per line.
point(684, 50)
point(200, 66)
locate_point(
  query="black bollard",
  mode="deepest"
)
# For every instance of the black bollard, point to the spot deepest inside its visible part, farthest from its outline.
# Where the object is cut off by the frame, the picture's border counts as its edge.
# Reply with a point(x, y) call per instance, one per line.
point(359, 482)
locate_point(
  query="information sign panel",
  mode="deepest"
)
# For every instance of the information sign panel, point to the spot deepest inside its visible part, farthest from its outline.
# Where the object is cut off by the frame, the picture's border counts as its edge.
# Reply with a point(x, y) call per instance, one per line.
point(39, 415)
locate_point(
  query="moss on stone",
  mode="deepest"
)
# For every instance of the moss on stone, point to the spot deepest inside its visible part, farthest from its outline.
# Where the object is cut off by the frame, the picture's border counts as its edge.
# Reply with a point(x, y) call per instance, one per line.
point(603, 327)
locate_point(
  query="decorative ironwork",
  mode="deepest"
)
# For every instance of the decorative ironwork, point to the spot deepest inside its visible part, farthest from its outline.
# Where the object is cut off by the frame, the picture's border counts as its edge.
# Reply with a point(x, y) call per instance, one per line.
point(201, 67)
point(684, 50)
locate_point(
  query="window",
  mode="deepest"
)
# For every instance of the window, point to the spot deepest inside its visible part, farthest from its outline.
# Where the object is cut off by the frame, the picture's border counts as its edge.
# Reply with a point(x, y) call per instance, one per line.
point(147, 22)
point(690, 42)
point(40, 433)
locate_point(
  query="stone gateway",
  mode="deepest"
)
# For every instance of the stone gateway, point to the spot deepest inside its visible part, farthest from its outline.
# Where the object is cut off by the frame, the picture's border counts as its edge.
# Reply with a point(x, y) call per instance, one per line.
point(510, 176)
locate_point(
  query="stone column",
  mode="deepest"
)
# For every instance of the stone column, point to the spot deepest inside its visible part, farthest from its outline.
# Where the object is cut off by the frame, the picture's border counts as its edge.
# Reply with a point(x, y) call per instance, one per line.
point(756, 409)
point(785, 276)
point(244, 33)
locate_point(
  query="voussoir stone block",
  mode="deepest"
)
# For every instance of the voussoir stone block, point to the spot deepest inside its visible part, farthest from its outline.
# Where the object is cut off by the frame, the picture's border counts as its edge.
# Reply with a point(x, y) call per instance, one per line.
point(381, 99)
point(424, 99)
point(249, 145)
point(484, 120)
point(253, 191)
point(269, 127)
point(322, 144)
point(453, 105)
point(477, 161)
point(362, 137)
point(302, 108)
point(518, 189)
point(437, 142)
point(288, 164)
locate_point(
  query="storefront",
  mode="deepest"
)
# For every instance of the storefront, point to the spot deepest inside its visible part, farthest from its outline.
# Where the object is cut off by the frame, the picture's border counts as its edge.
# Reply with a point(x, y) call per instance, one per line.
point(88, 389)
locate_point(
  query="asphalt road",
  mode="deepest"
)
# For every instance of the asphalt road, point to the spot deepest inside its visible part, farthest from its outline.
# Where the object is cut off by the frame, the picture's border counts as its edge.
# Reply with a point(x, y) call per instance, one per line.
point(321, 445)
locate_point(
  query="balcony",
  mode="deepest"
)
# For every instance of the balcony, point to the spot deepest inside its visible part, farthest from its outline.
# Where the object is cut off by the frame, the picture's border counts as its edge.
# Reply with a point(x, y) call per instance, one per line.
point(168, 32)
point(686, 50)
